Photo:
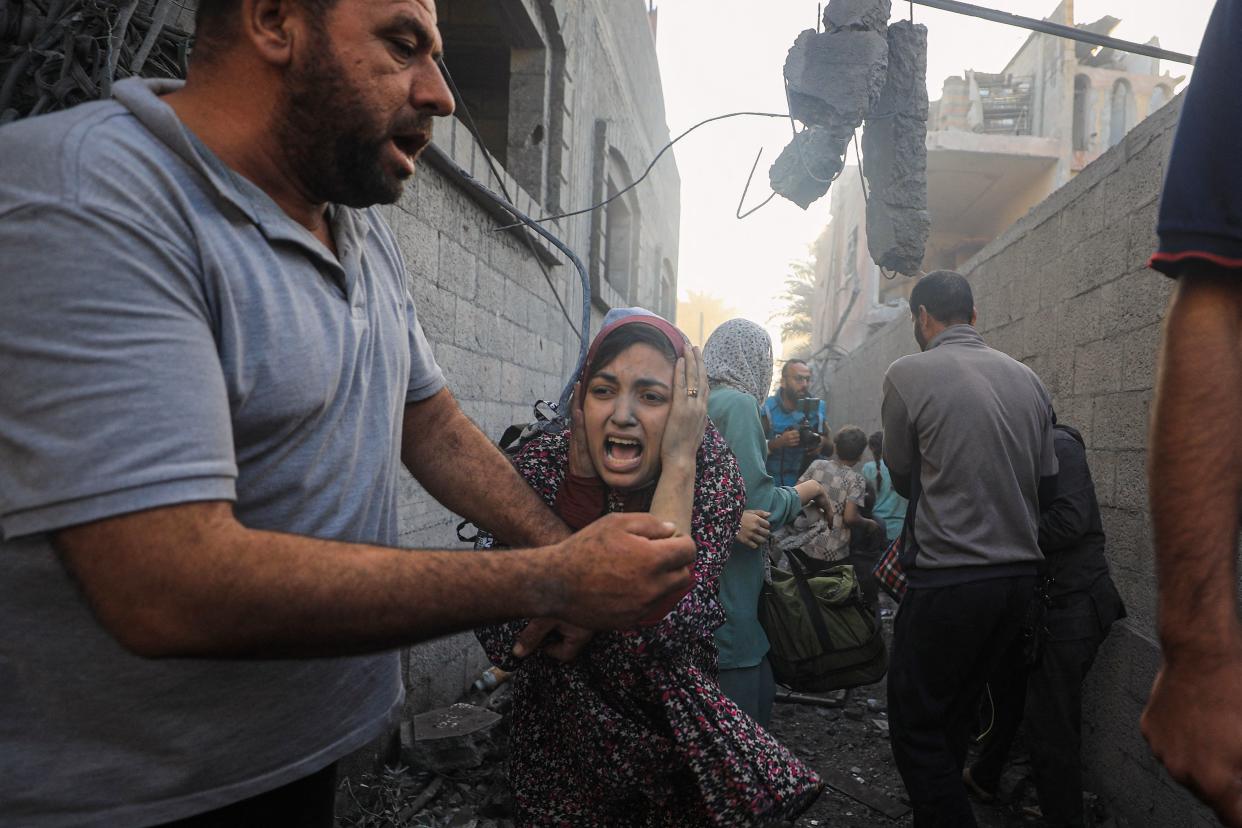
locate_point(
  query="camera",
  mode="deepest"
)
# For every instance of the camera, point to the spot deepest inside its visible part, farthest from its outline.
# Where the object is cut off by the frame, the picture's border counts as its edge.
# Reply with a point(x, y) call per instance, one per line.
point(808, 437)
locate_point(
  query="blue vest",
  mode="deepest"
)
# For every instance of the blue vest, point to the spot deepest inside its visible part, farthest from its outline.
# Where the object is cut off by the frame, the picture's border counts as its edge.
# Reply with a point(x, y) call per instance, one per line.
point(785, 465)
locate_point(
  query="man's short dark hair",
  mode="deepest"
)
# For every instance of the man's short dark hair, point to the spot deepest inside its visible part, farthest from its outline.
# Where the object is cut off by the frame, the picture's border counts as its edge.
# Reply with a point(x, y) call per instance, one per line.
point(947, 296)
point(850, 442)
point(789, 362)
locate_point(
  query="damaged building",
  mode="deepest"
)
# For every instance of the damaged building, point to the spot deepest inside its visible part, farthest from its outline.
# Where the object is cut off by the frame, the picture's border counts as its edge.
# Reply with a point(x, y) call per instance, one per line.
point(997, 145)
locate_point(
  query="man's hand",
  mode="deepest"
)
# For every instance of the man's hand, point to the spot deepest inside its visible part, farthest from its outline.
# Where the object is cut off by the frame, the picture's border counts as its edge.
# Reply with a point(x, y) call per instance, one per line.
point(755, 528)
point(565, 647)
point(1193, 723)
point(621, 569)
point(785, 440)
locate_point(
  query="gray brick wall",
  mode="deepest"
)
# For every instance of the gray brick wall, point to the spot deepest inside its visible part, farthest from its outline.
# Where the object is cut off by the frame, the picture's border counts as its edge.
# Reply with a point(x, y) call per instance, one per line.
point(1066, 290)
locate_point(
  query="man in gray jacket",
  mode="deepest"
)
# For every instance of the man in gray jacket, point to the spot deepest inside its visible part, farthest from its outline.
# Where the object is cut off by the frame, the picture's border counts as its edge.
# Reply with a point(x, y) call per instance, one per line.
point(968, 438)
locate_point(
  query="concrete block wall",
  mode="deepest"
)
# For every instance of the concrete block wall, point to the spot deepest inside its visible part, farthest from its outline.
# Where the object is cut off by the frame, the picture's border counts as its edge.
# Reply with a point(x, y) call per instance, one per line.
point(1066, 291)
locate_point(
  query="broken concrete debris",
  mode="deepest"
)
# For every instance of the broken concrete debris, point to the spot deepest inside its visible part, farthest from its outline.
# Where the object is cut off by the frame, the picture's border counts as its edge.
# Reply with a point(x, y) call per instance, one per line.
point(834, 78)
point(895, 155)
point(859, 69)
point(866, 15)
point(449, 738)
point(807, 166)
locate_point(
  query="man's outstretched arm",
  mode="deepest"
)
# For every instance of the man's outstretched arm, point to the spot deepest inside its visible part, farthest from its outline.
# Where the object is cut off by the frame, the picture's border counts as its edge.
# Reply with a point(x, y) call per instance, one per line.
point(461, 468)
point(190, 580)
point(1193, 721)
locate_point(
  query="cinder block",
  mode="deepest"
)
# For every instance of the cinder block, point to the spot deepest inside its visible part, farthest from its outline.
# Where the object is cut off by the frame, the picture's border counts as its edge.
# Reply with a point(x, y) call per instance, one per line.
point(1139, 354)
point(1142, 233)
point(1041, 333)
point(1079, 321)
point(437, 312)
point(1103, 466)
point(1104, 258)
point(1120, 420)
point(1136, 300)
point(1097, 367)
point(456, 268)
point(1132, 481)
point(1082, 219)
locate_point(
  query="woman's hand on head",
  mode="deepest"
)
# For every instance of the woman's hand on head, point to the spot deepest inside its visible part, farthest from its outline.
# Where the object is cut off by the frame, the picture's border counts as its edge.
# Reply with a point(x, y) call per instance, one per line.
point(755, 529)
point(580, 464)
point(687, 418)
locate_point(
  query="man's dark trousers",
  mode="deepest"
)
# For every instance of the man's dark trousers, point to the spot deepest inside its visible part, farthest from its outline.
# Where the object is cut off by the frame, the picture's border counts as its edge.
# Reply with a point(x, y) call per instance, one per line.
point(1053, 712)
point(946, 641)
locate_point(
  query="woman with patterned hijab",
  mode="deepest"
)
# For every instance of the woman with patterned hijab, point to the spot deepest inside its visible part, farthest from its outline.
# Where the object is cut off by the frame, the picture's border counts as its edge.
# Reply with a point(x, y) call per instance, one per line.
point(634, 730)
point(738, 357)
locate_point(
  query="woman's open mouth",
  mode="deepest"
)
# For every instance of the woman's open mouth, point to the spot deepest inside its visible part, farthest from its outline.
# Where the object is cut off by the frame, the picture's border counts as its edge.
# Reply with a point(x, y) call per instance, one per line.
point(622, 454)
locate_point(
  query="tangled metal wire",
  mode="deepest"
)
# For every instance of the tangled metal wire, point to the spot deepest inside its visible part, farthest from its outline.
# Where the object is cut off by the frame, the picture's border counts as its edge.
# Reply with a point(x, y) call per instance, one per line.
point(57, 53)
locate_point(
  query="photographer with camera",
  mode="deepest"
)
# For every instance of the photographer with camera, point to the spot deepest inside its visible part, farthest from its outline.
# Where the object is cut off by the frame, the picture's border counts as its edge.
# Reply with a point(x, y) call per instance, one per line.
point(795, 425)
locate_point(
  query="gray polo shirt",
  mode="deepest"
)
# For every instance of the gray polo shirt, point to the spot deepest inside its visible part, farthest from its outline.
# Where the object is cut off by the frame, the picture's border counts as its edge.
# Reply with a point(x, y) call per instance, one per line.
point(982, 424)
point(168, 334)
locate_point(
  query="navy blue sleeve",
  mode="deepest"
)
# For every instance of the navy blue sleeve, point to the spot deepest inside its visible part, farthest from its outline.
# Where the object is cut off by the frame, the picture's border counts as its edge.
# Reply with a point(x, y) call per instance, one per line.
point(1201, 206)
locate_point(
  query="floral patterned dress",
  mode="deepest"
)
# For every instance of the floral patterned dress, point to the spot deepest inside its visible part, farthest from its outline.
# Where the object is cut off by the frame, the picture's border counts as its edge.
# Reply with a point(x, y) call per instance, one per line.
point(636, 731)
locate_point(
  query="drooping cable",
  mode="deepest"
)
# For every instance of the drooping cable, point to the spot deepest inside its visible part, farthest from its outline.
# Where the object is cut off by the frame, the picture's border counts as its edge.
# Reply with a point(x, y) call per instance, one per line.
point(507, 204)
point(651, 165)
point(487, 156)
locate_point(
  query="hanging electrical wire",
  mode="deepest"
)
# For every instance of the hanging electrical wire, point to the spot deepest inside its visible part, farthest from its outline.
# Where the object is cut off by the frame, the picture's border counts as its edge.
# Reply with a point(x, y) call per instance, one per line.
point(651, 165)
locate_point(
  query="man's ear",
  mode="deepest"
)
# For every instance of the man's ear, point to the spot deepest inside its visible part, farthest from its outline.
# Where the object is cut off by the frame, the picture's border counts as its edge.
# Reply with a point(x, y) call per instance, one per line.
point(974, 316)
point(270, 26)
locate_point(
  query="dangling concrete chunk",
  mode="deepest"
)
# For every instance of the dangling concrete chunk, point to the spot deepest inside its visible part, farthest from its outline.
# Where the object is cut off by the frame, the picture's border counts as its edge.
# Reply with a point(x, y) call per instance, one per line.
point(806, 167)
point(833, 80)
point(895, 155)
point(864, 15)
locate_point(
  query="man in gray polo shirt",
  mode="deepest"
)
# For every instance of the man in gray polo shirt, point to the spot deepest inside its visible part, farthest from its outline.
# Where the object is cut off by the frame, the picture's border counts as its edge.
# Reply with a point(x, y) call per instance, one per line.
point(212, 366)
point(968, 437)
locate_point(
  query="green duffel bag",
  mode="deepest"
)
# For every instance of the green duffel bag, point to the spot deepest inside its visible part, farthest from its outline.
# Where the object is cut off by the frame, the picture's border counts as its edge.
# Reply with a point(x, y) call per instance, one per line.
point(823, 635)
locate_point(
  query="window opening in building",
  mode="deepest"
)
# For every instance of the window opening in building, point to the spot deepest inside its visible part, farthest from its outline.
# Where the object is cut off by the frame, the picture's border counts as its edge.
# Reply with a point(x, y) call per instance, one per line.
point(1159, 96)
point(478, 53)
point(618, 242)
point(1121, 116)
point(1082, 89)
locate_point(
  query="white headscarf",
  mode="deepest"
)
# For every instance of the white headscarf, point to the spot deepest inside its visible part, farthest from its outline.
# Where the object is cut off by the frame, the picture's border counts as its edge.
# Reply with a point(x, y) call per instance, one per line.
point(739, 354)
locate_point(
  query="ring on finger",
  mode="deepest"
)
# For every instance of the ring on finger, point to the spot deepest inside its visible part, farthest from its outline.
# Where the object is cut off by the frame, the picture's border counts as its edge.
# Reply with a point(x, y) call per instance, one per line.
point(692, 392)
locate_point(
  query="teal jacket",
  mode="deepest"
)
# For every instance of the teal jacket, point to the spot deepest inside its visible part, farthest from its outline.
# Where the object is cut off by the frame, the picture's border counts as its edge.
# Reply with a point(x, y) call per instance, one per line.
point(741, 640)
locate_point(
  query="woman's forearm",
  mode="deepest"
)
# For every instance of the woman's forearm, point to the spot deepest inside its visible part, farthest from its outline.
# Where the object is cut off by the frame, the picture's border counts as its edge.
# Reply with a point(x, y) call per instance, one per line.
point(674, 496)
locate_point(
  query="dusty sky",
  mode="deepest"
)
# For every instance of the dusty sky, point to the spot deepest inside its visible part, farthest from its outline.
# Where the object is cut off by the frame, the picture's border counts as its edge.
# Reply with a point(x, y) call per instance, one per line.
point(718, 56)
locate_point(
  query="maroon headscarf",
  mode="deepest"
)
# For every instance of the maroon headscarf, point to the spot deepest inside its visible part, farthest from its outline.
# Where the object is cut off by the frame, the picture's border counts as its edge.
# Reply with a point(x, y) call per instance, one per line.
point(619, 317)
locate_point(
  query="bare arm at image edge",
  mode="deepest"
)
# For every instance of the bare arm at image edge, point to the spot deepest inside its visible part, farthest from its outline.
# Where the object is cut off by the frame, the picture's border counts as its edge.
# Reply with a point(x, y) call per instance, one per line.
point(1192, 719)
